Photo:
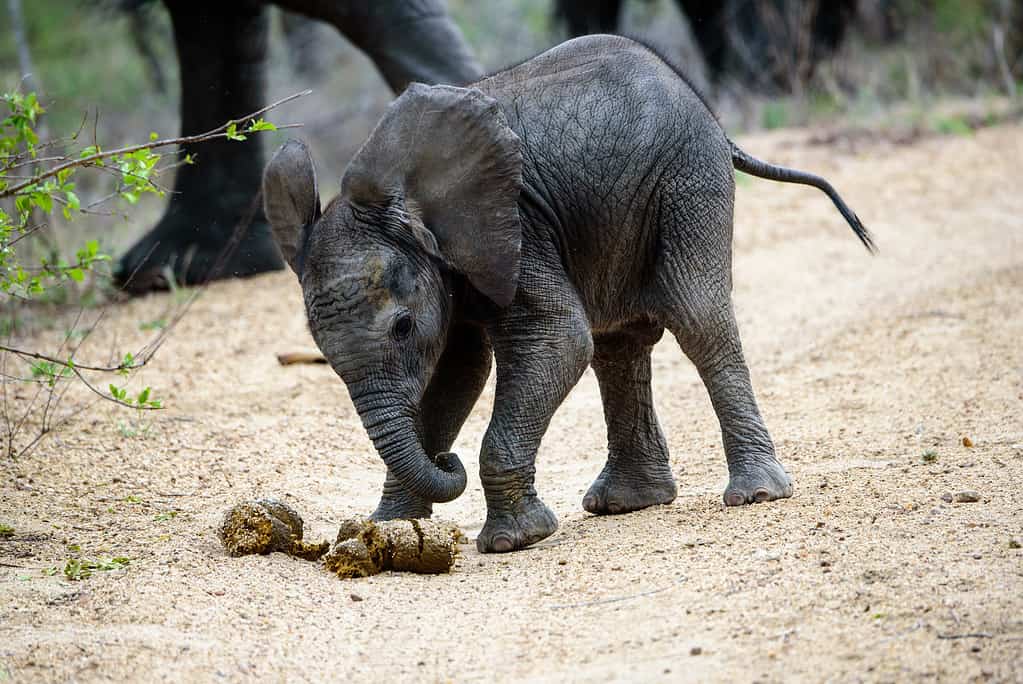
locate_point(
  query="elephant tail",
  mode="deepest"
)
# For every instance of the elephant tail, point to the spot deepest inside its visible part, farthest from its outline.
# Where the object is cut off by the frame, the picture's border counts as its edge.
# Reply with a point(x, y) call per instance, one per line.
point(753, 166)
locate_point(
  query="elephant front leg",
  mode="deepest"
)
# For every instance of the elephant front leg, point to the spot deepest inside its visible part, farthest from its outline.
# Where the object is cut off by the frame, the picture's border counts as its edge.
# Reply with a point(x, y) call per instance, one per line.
point(536, 369)
point(454, 388)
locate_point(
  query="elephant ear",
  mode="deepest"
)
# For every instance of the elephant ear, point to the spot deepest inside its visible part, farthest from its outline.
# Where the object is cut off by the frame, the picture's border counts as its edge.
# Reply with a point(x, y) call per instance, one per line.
point(450, 158)
point(291, 200)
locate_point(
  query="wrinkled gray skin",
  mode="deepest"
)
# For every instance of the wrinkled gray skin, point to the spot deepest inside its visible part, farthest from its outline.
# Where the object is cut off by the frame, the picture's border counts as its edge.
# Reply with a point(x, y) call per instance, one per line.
point(558, 214)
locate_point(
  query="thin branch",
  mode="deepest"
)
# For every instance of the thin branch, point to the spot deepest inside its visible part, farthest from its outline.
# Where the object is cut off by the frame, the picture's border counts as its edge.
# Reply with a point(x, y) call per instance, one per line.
point(218, 132)
point(26, 233)
point(110, 397)
point(74, 366)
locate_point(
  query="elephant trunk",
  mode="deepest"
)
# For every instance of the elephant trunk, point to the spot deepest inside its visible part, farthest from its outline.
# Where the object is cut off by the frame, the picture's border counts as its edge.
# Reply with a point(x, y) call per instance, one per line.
point(395, 437)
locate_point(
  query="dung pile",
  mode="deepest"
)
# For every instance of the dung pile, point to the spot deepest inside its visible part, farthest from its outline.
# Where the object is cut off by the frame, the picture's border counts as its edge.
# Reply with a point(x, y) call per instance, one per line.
point(266, 525)
point(363, 547)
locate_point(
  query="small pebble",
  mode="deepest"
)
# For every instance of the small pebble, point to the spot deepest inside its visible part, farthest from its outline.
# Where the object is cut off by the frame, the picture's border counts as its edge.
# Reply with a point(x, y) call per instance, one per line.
point(355, 597)
point(1015, 544)
point(947, 498)
point(968, 496)
point(695, 650)
point(967, 442)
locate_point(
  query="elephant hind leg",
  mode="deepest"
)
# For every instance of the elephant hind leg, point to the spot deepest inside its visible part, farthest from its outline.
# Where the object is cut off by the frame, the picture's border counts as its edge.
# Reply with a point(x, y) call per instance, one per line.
point(703, 322)
point(637, 473)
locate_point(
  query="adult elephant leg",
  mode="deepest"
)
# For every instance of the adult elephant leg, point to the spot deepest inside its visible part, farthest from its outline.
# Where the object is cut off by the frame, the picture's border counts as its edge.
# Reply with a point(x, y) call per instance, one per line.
point(221, 53)
point(637, 473)
point(542, 345)
point(454, 388)
point(408, 40)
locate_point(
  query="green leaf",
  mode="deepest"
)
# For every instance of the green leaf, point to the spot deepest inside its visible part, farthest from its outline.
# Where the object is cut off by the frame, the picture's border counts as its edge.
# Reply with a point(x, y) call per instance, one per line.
point(232, 132)
point(153, 135)
point(260, 125)
point(43, 201)
point(75, 274)
point(143, 397)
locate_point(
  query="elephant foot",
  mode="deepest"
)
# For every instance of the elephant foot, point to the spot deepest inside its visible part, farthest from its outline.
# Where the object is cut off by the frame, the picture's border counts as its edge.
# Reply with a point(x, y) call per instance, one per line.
point(171, 247)
point(620, 490)
point(756, 482)
point(526, 522)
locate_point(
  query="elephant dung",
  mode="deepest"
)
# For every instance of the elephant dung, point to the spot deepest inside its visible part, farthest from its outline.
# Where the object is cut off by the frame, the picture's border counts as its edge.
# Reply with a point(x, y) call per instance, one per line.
point(266, 525)
point(364, 547)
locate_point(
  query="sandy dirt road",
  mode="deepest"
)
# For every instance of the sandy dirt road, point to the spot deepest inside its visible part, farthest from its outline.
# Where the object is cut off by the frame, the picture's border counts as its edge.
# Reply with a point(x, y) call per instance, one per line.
point(861, 365)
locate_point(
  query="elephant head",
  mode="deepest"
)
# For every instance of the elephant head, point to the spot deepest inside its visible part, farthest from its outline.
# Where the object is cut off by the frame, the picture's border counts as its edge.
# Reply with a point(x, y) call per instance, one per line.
point(430, 198)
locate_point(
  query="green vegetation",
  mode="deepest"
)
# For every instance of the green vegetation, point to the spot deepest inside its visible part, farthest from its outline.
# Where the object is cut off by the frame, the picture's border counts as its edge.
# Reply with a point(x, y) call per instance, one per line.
point(6, 531)
point(775, 115)
point(78, 569)
point(37, 178)
point(953, 125)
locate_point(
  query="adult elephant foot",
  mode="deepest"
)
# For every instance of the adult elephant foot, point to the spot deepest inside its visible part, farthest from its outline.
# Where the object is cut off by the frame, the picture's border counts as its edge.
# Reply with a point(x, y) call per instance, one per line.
point(176, 248)
point(757, 482)
point(618, 490)
point(524, 523)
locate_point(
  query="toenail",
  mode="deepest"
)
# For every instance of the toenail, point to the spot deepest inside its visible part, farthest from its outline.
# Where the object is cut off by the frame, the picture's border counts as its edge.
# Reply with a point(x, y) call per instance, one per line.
point(734, 499)
point(761, 495)
point(502, 544)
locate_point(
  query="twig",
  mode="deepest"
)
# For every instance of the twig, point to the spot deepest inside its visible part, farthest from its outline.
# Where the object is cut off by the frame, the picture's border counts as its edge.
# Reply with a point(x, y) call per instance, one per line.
point(971, 635)
point(618, 599)
point(218, 132)
point(73, 366)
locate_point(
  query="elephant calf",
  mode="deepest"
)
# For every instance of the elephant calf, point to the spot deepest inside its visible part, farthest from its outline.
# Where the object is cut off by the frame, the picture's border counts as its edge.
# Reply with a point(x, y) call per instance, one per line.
point(558, 214)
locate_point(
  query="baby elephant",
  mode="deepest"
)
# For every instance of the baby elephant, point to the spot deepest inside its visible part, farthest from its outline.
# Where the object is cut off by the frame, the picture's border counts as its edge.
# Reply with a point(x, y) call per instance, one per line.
point(558, 214)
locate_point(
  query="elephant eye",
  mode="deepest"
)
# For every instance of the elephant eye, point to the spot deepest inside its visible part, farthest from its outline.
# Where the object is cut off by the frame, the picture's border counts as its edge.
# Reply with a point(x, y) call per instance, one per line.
point(402, 326)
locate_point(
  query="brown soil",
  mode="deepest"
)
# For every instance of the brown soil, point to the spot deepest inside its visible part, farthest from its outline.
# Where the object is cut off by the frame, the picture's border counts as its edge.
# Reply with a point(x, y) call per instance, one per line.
point(862, 365)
